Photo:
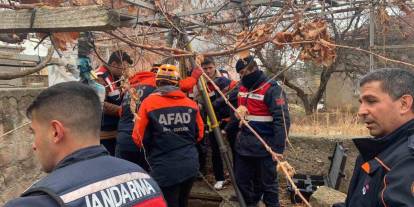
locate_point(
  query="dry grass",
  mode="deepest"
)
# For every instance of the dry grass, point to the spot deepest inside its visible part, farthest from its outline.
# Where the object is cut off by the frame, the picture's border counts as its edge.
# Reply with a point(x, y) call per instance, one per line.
point(333, 123)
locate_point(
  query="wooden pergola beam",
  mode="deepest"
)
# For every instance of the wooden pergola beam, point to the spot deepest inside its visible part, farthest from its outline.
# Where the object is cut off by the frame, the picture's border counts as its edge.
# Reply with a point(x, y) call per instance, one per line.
point(142, 4)
point(22, 59)
point(58, 19)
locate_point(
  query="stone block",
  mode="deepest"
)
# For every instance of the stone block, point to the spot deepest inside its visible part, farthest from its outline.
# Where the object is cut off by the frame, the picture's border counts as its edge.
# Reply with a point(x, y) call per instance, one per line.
point(326, 197)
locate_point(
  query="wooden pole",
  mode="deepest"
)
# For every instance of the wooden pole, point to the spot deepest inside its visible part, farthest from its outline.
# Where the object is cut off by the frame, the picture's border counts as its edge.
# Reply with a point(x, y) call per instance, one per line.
point(58, 19)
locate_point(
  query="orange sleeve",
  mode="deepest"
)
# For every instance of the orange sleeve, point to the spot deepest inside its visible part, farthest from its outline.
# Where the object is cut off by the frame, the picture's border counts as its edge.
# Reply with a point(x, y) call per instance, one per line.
point(187, 84)
point(140, 125)
point(200, 125)
point(120, 111)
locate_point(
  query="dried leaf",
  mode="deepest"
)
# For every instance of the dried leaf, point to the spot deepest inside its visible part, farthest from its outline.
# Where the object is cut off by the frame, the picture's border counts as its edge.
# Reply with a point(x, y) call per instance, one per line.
point(243, 53)
point(62, 39)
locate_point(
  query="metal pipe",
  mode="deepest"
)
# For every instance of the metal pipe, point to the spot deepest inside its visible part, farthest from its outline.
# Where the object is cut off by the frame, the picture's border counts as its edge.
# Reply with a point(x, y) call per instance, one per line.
point(371, 35)
point(225, 156)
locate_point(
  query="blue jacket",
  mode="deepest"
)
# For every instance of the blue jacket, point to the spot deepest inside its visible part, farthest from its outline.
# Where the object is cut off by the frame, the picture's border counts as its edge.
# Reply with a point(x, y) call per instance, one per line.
point(144, 84)
point(89, 177)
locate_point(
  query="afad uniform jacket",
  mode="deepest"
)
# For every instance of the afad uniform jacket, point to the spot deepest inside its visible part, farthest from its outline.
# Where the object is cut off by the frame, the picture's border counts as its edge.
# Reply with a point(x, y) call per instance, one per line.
point(168, 127)
point(145, 84)
point(384, 171)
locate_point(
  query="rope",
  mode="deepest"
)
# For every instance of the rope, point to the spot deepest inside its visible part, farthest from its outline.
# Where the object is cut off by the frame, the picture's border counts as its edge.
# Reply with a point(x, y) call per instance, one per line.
point(15, 129)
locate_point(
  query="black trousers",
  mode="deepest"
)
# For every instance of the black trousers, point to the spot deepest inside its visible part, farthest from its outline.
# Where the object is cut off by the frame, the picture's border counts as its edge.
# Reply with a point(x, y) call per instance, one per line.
point(177, 195)
point(137, 157)
point(257, 177)
point(216, 158)
point(202, 156)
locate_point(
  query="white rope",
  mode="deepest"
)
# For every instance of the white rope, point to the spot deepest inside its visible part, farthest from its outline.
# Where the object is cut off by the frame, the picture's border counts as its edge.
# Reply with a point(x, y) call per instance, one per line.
point(15, 129)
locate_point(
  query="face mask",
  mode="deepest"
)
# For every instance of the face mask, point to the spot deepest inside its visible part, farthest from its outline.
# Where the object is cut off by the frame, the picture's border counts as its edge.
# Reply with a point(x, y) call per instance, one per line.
point(249, 80)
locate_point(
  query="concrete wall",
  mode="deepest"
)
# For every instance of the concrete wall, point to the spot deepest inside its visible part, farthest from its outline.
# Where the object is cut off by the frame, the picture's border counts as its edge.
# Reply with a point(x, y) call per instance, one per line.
point(18, 166)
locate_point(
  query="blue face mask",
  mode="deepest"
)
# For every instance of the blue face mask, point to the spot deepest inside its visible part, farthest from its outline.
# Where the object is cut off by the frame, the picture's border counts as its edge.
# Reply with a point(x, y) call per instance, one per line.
point(249, 80)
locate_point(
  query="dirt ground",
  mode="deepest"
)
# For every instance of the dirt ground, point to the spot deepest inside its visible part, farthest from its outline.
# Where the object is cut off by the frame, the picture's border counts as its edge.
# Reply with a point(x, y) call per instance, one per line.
point(211, 197)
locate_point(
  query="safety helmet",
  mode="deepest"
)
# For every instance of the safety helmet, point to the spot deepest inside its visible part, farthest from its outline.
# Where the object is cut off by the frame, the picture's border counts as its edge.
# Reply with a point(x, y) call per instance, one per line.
point(168, 73)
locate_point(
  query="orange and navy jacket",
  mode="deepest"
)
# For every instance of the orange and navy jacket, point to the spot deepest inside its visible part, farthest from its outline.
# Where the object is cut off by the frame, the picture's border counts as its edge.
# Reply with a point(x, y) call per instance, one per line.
point(144, 84)
point(384, 171)
point(187, 84)
point(113, 96)
point(168, 126)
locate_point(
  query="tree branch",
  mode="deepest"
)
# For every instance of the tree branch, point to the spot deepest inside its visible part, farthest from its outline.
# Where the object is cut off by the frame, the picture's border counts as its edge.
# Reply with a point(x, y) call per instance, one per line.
point(27, 71)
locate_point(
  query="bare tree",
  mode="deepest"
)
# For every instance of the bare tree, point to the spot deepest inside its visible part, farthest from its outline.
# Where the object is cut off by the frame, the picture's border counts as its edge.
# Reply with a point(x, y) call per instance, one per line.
point(345, 31)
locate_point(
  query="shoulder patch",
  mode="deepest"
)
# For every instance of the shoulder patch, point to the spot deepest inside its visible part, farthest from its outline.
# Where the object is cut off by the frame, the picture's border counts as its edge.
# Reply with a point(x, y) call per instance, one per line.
point(280, 101)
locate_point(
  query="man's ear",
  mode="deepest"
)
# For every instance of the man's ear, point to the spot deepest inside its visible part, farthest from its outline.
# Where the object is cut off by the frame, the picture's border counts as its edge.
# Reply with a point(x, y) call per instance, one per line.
point(58, 131)
point(406, 103)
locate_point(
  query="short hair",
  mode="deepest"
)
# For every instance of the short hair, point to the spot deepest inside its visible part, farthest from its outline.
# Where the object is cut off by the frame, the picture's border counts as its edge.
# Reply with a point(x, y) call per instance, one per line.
point(119, 56)
point(208, 60)
point(395, 82)
point(74, 104)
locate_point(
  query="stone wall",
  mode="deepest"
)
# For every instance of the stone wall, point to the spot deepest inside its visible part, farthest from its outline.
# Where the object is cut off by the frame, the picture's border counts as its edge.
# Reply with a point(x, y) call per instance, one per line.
point(18, 166)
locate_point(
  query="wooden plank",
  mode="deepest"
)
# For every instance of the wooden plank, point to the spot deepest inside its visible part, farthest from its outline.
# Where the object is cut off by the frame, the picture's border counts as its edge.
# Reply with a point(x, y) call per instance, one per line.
point(20, 58)
point(142, 4)
point(230, 5)
point(59, 19)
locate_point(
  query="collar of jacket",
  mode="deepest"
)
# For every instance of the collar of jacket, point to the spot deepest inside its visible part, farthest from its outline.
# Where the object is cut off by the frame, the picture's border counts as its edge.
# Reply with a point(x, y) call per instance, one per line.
point(82, 154)
point(259, 82)
point(170, 91)
point(369, 148)
point(142, 78)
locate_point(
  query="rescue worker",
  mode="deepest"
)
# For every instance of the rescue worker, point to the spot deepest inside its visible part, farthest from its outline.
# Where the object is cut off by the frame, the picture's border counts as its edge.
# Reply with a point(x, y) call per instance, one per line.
point(81, 172)
point(223, 111)
point(266, 104)
point(143, 83)
point(384, 170)
point(168, 127)
point(209, 68)
point(109, 76)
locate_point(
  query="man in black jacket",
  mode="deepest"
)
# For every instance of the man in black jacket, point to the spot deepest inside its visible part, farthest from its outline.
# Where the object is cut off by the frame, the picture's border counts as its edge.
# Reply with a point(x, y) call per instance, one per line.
point(81, 172)
point(384, 171)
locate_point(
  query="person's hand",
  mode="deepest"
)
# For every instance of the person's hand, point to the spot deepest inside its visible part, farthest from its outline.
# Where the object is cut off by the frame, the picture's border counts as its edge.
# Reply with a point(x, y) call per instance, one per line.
point(287, 168)
point(196, 73)
point(279, 157)
point(241, 112)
